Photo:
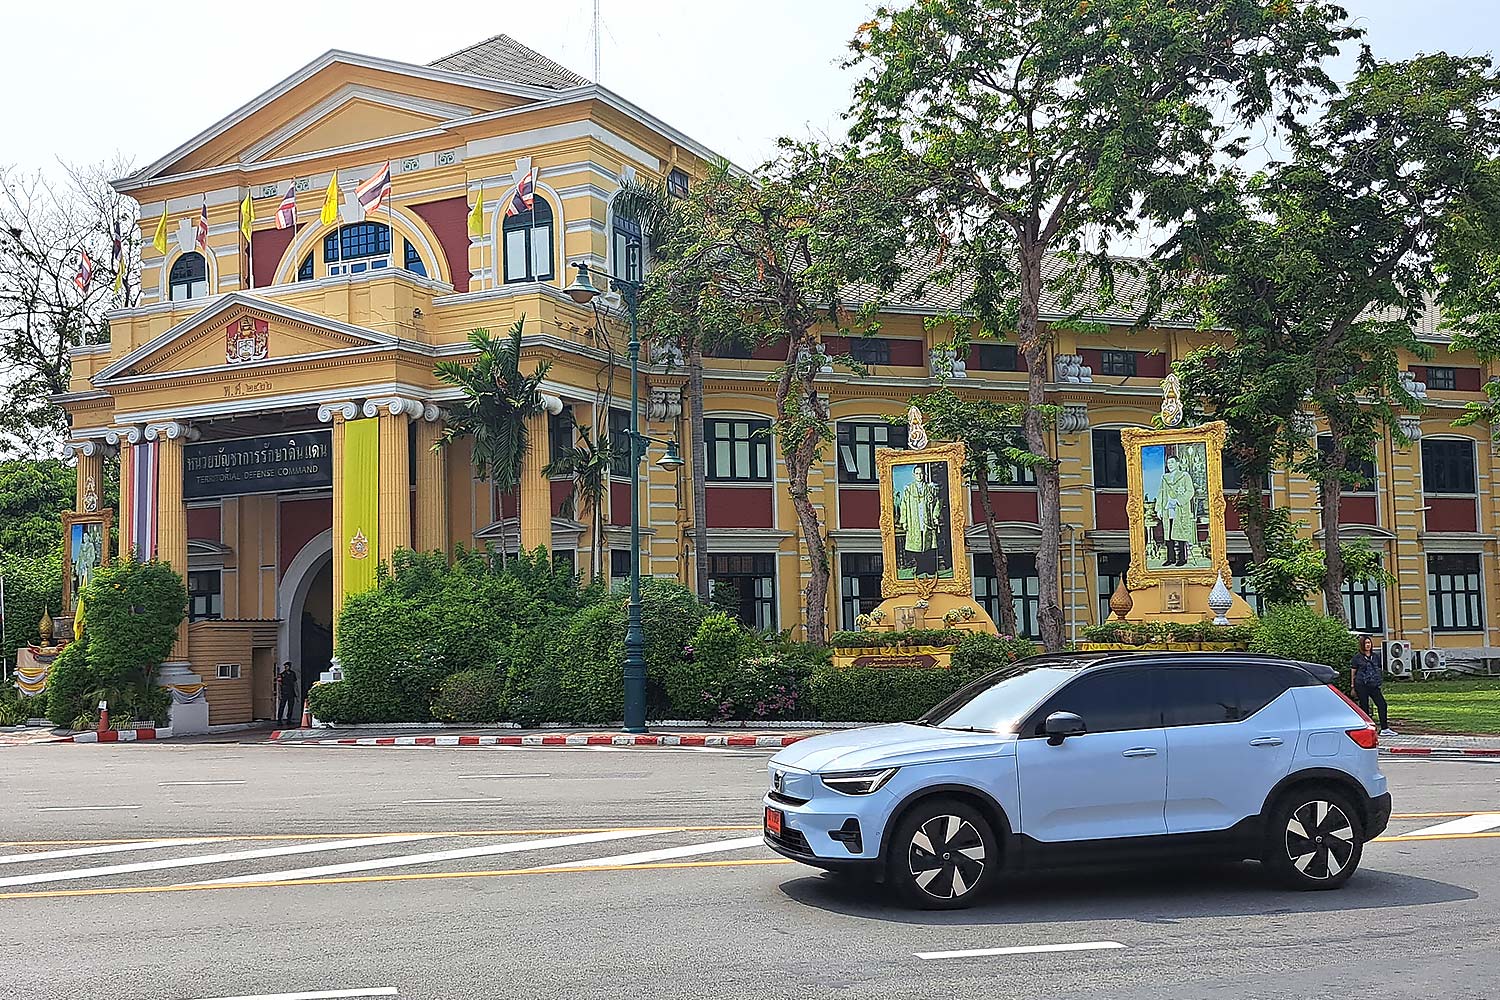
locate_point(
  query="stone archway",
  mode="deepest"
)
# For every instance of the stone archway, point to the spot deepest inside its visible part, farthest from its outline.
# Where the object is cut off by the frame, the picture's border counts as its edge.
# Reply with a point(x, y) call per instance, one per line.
point(291, 595)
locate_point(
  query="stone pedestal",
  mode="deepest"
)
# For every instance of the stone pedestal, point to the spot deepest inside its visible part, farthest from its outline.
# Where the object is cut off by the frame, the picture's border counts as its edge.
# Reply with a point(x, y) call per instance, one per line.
point(903, 612)
point(185, 717)
point(1182, 601)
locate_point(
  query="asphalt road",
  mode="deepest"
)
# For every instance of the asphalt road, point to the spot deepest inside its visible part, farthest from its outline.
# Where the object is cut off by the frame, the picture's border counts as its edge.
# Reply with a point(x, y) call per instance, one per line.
point(454, 874)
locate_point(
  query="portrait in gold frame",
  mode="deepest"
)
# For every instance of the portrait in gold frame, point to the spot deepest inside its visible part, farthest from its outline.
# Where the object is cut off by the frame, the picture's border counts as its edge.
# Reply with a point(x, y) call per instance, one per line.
point(85, 549)
point(938, 472)
point(1166, 544)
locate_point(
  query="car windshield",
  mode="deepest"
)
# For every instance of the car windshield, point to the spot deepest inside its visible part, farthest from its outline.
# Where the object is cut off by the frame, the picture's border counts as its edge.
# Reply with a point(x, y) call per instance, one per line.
point(997, 702)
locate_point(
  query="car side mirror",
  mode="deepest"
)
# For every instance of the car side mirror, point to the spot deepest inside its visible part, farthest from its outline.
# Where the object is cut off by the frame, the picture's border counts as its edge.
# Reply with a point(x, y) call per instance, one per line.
point(1060, 725)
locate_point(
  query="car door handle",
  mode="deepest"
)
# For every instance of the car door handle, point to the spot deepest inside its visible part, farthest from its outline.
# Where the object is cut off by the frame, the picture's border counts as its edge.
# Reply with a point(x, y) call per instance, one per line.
point(1139, 752)
point(1266, 741)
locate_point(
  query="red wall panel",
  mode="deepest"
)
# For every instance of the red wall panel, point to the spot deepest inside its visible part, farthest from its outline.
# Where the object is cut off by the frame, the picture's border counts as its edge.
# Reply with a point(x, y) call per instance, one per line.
point(859, 508)
point(1451, 514)
point(449, 220)
point(1357, 510)
point(269, 246)
point(1109, 512)
point(619, 502)
point(1009, 505)
point(300, 522)
point(203, 523)
point(561, 489)
point(739, 506)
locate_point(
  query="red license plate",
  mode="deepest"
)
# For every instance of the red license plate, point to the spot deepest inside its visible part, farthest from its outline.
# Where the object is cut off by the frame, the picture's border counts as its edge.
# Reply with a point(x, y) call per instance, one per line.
point(773, 821)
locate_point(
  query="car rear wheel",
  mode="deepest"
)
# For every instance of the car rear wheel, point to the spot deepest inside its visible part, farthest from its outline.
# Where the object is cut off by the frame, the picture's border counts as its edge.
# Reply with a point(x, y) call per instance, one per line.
point(1314, 838)
point(943, 855)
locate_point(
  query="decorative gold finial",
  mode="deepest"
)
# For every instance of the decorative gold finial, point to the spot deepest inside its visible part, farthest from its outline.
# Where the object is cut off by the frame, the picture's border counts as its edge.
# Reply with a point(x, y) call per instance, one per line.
point(1171, 401)
point(916, 429)
point(1120, 602)
point(44, 627)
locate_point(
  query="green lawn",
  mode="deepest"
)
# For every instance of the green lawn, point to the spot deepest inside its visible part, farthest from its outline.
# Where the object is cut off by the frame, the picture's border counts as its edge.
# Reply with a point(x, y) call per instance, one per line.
point(1471, 705)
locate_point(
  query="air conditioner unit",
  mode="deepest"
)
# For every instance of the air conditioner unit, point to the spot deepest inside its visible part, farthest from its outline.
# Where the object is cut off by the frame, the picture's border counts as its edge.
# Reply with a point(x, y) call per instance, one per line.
point(1399, 657)
point(1432, 661)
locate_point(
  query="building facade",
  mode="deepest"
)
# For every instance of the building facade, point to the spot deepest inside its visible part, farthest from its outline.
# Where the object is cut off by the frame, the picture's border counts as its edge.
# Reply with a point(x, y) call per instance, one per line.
point(273, 405)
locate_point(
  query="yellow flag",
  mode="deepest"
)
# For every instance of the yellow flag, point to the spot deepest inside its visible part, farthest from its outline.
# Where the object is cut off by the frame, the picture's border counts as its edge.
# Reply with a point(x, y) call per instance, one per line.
point(330, 213)
point(78, 619)
point(247, 216)
point(160, 240)
point(476, 214)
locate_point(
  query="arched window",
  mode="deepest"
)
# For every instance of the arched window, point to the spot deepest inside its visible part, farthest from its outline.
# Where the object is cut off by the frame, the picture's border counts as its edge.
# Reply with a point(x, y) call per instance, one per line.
point(413, 260)
point(528, 244)
point(627, 246)
point(362, 246)
point(188, 278)
point(305, 269)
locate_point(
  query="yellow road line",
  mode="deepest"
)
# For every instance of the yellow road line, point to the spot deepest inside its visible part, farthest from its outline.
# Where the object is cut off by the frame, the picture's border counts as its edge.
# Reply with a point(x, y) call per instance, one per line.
point(1471, 812)
point(398, 833)
point(1438, 836)
point(410, 877)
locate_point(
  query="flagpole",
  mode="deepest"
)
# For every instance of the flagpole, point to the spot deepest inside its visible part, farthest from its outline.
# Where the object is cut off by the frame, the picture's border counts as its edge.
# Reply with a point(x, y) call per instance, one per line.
point(249, 240)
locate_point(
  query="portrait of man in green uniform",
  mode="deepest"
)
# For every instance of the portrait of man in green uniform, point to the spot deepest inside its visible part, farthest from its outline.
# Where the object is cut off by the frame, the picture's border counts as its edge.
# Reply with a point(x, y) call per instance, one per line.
point(923, 520)
point(1175, 497)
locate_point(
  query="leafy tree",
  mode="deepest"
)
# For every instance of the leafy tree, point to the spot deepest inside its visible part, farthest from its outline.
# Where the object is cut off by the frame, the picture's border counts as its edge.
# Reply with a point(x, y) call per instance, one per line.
point(1043, 129)
point(1296, 566)
point(498, 399)
point(770, 259)
point(34, 495)
point(994, 449)
point(1324, 264)
point(131, 614)
point(586, 464)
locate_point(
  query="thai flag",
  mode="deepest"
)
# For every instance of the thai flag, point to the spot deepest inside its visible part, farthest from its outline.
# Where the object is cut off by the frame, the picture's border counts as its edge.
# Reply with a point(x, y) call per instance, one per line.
point(376, 191)
point(525, 196)
point(85, 275)
point(286, 212)
point(200, 239)
point(117, 248)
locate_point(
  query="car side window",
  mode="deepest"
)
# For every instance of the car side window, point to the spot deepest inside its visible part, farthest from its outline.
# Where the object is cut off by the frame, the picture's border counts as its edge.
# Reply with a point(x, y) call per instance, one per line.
point(1202, 696)
point(1109, 701)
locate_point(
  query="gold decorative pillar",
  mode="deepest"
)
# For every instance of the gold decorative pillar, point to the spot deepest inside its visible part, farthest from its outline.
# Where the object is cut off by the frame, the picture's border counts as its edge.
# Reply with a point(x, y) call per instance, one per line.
point(336, 414)
point(536, 489)
point(171, 512)
point(432, 483)
point(395, 471)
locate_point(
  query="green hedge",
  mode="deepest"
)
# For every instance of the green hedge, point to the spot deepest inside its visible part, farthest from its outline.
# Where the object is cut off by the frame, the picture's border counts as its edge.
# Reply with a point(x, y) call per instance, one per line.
point(1154, 633)
point(469, 696)
point(1300, 633)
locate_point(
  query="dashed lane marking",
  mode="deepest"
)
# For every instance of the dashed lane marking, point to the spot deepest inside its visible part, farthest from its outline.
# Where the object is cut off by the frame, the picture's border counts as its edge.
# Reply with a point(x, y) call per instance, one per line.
point(78, 852)
point(1030, 949)
point(1476, 823)
point(369, 991)
point(67, 809)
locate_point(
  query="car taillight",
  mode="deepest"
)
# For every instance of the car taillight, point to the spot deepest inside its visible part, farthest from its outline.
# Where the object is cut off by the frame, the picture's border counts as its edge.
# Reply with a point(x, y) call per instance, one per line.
point(1365, 736)
point(1352, 704)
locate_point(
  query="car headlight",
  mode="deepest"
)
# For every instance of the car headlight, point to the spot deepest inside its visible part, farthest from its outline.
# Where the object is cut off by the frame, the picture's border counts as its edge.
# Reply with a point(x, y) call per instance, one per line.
point(859, 782)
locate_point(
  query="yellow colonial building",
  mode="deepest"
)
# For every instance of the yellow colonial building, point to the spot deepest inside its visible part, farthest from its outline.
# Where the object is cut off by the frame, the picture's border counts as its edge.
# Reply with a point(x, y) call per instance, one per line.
point(273, 405)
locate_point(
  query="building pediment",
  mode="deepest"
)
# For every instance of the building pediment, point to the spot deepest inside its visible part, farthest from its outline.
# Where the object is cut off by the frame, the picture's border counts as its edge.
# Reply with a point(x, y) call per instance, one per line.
point(242, 333)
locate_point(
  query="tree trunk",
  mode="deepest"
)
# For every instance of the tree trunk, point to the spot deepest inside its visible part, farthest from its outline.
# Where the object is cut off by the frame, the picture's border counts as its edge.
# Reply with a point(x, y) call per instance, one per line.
point(1330, 489)
point(1049, 520)
point(699, 462)
point(1251, 503)
point(799, 441)
point(1007, 622)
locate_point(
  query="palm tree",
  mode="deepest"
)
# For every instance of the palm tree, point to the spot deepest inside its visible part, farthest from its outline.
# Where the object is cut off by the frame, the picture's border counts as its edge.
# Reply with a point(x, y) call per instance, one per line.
point(653, 208)
point(587, 466)
point(497, 401)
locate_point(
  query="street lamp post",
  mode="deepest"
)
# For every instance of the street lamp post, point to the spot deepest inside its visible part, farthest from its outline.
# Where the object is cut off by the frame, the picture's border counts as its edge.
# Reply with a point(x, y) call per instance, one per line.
point(584, 291)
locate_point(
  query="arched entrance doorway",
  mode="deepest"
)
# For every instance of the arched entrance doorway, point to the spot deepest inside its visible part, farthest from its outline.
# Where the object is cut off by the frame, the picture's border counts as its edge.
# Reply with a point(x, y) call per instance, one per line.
point(305, 606)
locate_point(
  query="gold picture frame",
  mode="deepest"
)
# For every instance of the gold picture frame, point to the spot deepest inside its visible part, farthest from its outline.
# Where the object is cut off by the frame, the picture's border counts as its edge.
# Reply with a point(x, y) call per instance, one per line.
point(91, 544)
point(1159, 548)
point(950, 572)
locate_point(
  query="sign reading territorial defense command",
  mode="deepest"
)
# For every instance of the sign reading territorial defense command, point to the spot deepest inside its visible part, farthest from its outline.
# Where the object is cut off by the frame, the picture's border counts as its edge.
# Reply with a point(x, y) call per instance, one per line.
point(297, 460)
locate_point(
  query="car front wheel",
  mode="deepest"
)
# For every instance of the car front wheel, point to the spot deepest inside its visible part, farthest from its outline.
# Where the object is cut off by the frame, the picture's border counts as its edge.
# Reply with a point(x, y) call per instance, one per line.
point(1314, 838)
point(943, 855)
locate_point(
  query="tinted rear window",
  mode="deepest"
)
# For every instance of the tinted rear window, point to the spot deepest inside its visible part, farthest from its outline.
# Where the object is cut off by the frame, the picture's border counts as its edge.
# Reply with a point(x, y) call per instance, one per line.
point(1198, 696)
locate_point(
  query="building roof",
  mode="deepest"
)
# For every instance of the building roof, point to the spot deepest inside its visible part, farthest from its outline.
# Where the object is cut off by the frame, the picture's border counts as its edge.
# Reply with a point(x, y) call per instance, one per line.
point(504, 59)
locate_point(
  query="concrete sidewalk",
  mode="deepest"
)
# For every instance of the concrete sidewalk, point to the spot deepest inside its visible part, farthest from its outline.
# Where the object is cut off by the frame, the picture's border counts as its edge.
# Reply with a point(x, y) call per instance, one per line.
point(549, 738)
point(1433, 745)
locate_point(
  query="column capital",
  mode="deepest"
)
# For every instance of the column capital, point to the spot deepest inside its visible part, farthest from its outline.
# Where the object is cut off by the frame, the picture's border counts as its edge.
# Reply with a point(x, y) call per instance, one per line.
point(433, 413)
point(394, 405)
point(1074, 418)
point(346, 409)
point(90, 447)
point(132, 434)
point(552, 404)
point(666, 404)
point(171, 430)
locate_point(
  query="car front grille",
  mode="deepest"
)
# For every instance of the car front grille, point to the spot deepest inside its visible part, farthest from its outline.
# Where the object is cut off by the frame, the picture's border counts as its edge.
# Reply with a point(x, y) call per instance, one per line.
point(785, 799)
point(790, 839)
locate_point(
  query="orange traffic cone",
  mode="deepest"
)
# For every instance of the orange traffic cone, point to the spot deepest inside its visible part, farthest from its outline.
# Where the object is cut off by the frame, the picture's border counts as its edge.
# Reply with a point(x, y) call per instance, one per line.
point(306, 715)
point(103, 717)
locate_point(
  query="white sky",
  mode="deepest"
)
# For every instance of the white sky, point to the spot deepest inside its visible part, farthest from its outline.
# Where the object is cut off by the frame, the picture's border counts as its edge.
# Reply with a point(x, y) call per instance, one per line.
point(84, 79)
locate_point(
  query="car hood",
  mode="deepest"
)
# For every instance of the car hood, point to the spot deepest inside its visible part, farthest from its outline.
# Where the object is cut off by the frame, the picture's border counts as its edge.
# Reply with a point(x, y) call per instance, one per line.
point(895, 744)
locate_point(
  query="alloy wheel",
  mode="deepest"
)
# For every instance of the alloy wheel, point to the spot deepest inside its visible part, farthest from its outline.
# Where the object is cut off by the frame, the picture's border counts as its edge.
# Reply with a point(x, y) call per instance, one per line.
point(1319, 839)
point(946, 858)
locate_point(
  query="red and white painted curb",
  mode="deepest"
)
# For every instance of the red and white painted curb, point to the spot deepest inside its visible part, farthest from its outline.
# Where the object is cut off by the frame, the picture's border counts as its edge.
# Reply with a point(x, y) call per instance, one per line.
point(558, 740)
point(1440, 752)
point(117, 736)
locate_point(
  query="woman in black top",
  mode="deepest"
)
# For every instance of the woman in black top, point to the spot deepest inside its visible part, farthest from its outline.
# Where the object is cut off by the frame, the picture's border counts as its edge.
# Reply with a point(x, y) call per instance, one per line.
point(1368, 672)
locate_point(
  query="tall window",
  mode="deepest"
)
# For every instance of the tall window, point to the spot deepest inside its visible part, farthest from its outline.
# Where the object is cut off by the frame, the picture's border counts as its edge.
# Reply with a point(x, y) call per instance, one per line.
point(995, 357)
point(746, 586)
point(188, 278)
point(358, 247)
point(1454, 599)
point(1442, 378)
point(870, 350)
point(619, 566)
point(205, 595)
point(560, 436)
point(1122, 363)
point(1364, 606)
point(627, 246)
point(1025, 589)
point(619, 443)
point(1112, 569)
point(528, 243)
point(1447, 465)
point(1003, 473)
point(738, 450)
point(859, 584)
point(1235, 478)
point(677, 183)
point(1365, 470)
point(1109, 460)
point(857, 443)
point(1239, 580)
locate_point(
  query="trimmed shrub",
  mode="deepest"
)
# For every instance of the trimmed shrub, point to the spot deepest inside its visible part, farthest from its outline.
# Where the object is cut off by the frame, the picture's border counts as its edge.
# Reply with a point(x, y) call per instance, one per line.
point(1298, 632)
point(70, 682)
point(697, 684)
point(869, 694)
point(32, 584)
point(874, 639)
point(468, 696)
point(334, 701)
point(131, 613)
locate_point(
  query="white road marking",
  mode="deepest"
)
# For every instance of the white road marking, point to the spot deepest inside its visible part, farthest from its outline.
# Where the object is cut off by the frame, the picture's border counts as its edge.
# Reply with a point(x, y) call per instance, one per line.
point(1477, 823)
point(211, 859)
point(372, 991)
point(456, 802)
point(405, 860)
point(1033, 949)
point(470, 777)
point(62, 809)
point(78, 852)
point(223, 781)
point(642, 857)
